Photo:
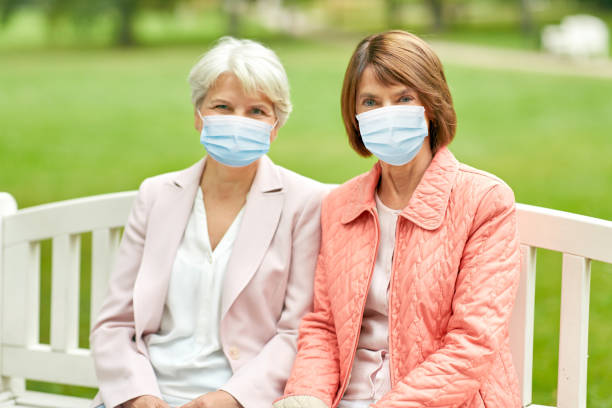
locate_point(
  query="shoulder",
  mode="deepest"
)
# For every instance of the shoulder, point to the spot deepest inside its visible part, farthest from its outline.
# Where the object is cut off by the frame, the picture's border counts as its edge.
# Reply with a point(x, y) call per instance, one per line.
point(481, 185)
point(299, 188)
point(343, 193)
point(489, 195)
point(152, 186)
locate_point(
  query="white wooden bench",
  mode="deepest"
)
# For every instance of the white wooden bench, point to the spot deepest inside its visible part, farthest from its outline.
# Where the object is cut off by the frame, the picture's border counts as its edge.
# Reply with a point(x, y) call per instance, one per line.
point(22, 356)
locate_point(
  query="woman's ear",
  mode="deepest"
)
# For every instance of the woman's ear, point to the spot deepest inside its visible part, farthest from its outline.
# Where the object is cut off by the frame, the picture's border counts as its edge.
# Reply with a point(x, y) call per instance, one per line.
point(197, 120)
point(274, 131)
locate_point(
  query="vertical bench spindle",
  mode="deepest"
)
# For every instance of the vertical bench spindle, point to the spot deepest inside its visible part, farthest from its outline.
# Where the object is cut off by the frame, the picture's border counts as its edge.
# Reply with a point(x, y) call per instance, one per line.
point(574, 332)
point(65, 292)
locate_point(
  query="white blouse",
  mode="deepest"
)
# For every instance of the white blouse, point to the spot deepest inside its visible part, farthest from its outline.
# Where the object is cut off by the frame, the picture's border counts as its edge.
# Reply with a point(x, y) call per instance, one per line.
point(186, 352)
point(370, 377)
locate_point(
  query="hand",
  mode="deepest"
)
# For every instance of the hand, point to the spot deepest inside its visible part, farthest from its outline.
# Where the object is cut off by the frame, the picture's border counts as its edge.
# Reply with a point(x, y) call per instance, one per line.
point(215, 399)
point(145, 401)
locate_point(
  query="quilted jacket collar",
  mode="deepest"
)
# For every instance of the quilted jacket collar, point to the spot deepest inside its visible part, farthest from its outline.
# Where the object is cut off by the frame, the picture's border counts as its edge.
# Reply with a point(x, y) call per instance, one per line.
point(428, 203)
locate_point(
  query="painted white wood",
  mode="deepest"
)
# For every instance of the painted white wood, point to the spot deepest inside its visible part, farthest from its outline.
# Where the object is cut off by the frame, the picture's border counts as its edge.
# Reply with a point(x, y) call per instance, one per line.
point(8, 206)
point(65, 292)
point(104, 247)
point(17, 385)
point(521, 323)
point(44, 400)
point(5, 396)
point(565, 232)
point(68, 217)
point(20, 308)
point(574, 332)
point(42, 363)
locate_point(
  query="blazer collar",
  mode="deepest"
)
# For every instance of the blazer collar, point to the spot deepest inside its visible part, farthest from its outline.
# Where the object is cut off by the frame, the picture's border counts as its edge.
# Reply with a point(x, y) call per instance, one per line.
point(168, 219)
point(428, 203)
point(267, 179)
point(262, 214)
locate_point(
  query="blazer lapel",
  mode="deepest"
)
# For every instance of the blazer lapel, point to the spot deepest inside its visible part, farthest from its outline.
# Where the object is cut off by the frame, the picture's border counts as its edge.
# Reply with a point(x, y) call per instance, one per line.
point(166, 226)
point(261, 216)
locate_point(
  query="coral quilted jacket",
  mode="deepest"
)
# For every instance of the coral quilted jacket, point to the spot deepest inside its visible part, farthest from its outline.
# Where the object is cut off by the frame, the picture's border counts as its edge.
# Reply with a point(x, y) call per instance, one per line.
point(454, 278)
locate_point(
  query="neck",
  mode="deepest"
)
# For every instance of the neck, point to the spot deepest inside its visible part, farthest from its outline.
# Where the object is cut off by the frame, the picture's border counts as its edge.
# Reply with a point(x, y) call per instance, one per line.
point(225, 181)
point(398, 183)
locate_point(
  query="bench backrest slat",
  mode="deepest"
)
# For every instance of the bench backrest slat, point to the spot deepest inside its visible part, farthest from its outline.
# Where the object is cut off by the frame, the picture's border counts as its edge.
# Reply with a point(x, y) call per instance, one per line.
point(565, 232)
point(574, 332)
point(521, 324)
point(20, 308)
point(68, 217)
point(104, 247)
point(65, 269)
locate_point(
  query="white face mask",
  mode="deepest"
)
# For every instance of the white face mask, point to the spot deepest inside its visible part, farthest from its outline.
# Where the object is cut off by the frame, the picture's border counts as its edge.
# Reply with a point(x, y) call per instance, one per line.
point(394, 133)
point(235, 140)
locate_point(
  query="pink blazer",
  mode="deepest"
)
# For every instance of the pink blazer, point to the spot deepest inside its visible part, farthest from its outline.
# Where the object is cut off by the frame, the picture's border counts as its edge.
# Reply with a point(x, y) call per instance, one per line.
point(267, 288)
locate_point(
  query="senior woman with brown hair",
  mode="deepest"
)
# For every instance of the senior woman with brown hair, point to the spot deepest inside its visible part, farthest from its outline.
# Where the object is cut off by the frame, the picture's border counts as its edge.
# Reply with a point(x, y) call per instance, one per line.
point(216, 264)
point(419, 260)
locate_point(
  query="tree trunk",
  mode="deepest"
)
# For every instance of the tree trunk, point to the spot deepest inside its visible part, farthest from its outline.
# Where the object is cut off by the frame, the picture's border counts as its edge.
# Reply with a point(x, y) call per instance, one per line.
point(125, 30)
point(233, 8)
point(526, 17)
point(437, 13)
point(393, 13)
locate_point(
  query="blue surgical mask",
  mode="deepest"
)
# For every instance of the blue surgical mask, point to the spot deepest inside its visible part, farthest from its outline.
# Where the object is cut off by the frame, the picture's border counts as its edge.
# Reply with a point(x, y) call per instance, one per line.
point(394, 133)
point(235, 140)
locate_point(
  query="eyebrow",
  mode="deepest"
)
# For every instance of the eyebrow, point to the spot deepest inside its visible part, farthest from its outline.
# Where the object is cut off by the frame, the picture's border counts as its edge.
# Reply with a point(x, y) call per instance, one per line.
point(404, 91)
point(219, 100)
point(367, 95)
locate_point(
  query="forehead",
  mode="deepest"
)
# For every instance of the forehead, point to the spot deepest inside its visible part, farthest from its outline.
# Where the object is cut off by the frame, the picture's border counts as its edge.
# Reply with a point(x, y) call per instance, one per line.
point(229, 87)
point(369, 82)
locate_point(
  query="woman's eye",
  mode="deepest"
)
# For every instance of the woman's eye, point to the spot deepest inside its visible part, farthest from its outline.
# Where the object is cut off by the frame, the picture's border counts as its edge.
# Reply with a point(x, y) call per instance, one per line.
point(221, 107)
point(369, 102)
point(257, 111)
point(406, 99)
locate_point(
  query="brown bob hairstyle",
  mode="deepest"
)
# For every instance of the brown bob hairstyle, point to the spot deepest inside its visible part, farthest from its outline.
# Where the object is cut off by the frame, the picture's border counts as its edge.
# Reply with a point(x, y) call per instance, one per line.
point(400, 57)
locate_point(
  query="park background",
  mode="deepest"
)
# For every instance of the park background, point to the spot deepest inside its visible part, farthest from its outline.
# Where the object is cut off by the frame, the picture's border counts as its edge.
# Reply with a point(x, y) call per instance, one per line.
point(94, 98)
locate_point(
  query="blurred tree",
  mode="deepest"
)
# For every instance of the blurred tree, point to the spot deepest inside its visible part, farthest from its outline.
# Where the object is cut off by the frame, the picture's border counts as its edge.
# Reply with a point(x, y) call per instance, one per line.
point(604, 4)
point(437, 13)
point(123, 11)
point(393, 13)
point(526, 16)
point(234, 10)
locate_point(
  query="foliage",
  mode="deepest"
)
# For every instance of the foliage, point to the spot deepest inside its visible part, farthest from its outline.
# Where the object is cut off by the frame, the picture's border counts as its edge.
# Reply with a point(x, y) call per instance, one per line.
point(123, 12)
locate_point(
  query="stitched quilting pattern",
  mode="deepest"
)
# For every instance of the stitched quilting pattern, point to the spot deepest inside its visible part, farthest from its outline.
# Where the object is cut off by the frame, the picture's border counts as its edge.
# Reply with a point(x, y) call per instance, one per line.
point(455, 275)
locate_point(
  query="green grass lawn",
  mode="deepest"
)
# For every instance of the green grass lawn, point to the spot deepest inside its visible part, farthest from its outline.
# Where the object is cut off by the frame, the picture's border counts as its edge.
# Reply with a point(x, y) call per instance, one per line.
point(77, 122)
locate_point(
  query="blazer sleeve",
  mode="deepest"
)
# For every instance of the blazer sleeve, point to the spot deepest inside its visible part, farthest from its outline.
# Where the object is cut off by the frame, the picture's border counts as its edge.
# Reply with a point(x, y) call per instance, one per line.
point(485, 289)
point(315, 375)
point(123, 372)
point(263, 377)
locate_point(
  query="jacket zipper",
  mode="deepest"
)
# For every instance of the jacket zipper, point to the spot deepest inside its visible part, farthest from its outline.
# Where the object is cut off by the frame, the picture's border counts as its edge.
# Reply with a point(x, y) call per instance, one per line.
point(346, 378)
point(391, 281)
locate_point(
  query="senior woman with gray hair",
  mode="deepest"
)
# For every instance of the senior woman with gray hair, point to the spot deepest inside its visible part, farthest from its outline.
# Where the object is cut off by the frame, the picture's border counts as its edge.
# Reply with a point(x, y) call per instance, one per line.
point(216, 264)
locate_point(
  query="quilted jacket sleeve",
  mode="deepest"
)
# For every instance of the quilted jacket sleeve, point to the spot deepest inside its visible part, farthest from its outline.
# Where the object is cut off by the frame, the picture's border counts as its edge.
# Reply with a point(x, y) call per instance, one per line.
point(484, 295)
point(123, 372)
point(316, 371)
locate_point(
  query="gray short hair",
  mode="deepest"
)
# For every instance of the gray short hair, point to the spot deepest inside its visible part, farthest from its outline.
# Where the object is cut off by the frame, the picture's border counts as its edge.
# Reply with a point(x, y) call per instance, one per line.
point(256, 66)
